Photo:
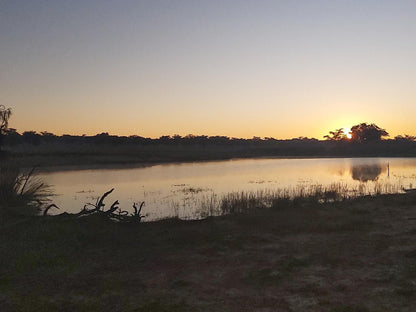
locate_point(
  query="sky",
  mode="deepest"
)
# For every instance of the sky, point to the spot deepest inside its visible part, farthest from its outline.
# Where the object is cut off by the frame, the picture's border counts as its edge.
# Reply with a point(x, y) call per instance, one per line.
point(279, 69)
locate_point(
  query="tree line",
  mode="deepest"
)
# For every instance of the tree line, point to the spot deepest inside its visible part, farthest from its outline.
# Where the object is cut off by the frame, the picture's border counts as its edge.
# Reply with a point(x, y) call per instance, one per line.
point(362, 137)
point(359, 134)
point(12, 137)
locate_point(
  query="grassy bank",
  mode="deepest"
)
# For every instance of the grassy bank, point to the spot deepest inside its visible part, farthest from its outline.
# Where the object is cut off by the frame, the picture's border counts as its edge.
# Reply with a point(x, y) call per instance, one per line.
point(354, 255)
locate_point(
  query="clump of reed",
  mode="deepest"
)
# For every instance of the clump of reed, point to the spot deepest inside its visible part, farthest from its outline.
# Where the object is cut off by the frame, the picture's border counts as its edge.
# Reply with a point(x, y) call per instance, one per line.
point(246, 201)
point(22, 193)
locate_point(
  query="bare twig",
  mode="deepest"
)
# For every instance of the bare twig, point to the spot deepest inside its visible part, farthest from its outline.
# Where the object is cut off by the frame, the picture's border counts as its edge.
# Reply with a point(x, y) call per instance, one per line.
point(113, 208)
point(137, 216)
point(45, 212)
point(137, 212)
point(101, 201)
point(122, 213)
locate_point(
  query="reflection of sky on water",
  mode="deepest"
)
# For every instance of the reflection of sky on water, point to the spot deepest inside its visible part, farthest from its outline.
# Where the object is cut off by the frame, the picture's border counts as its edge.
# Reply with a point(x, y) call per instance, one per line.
point(172, 189)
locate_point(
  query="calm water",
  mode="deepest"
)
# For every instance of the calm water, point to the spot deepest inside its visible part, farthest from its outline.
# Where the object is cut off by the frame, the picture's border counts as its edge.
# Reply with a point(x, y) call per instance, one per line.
point(177, 189)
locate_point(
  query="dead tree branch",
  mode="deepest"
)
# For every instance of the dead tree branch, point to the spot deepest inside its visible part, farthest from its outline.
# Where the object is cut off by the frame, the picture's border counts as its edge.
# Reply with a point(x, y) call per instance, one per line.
point(114, 212)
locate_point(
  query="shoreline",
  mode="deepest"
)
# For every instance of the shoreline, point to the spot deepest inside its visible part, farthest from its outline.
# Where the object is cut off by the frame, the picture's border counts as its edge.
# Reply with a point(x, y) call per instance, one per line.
point(57, 164)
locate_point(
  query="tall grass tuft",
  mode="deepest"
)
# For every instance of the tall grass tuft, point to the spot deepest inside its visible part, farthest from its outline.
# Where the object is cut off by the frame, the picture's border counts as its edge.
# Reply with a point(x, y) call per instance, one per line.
point(22, 193)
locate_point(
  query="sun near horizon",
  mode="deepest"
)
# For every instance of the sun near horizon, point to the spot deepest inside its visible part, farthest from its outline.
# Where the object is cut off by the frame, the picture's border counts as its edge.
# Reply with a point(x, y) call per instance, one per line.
point(347, 132)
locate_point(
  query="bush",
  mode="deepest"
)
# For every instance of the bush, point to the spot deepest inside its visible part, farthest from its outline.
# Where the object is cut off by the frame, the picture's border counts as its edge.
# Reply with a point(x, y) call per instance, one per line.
point(21, 193)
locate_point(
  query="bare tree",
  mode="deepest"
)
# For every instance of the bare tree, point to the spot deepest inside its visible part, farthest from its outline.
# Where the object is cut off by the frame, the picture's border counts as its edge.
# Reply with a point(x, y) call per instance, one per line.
point(5, 114)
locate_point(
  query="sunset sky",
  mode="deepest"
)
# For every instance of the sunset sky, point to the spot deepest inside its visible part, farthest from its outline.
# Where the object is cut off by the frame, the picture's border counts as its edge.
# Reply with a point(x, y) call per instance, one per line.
point(279, 69)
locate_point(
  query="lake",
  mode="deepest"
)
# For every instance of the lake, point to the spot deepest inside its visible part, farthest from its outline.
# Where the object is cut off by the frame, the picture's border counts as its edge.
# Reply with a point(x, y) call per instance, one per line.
point(179, 189)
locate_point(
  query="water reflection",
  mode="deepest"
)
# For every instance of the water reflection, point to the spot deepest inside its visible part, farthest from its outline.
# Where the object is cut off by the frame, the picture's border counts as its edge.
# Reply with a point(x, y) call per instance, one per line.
point(366, 172)
point(178, 189)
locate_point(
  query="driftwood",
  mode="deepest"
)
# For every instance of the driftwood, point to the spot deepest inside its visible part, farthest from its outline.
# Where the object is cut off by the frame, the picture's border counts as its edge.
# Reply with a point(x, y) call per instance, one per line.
point(113, 213)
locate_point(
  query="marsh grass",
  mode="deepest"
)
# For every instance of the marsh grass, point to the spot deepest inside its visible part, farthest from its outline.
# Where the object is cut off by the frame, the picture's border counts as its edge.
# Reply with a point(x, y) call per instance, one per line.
point(247, 201)
point(22, 193)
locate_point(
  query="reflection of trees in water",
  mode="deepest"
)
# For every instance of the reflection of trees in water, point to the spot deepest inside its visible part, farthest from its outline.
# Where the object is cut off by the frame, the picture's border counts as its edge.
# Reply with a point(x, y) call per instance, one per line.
point(366, 173)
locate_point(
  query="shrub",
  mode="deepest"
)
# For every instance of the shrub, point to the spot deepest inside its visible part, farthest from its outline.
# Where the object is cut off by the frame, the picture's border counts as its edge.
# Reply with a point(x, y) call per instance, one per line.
point(20, 193)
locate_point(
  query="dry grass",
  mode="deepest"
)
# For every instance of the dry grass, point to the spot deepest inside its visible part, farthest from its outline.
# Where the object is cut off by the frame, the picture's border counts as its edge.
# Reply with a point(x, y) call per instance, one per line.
point(246, 201)
point(355, 255)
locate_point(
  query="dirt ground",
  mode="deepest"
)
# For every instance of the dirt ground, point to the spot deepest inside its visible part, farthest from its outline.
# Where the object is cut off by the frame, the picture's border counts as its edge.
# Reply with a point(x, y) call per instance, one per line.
point(352, 256)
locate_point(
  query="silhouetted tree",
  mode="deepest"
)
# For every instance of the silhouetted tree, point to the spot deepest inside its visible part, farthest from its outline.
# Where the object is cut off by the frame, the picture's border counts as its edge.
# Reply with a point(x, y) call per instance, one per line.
point(367, 133)
point(337, 135)
point(5, 114)
point(177, 138)
point(219, 139)
point(31, 137)
point(12, 137)
point(47, 134)
point(47, 137)
point(406, 138)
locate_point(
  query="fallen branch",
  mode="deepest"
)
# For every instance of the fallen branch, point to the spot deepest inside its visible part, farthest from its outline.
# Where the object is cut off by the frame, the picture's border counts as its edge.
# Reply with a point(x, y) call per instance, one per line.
point(114, 212)
point(45, 212)
point(113, 208)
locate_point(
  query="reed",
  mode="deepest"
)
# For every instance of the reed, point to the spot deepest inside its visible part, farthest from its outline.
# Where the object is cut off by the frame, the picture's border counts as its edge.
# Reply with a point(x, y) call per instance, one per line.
point(246, 201)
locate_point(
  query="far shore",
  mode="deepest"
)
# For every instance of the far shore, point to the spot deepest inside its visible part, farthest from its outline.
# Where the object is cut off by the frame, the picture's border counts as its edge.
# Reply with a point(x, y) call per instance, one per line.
point(65, 153)
point(54, 163)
